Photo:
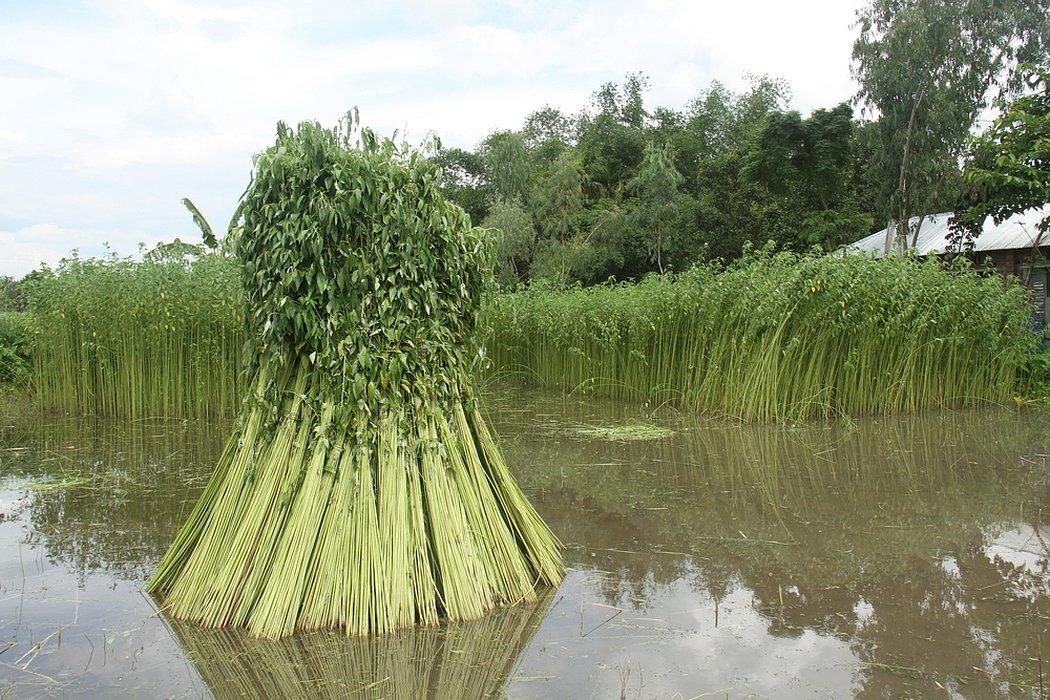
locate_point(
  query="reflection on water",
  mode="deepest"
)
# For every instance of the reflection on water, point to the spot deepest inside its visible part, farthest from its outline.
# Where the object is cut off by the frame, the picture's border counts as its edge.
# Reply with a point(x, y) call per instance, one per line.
point(902, 557)
point(891, 558)
point(86, 509)
point(459, 661)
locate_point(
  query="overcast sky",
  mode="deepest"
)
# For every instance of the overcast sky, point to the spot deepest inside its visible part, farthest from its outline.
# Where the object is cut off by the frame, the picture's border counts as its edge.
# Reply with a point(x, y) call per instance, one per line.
point(111, 111)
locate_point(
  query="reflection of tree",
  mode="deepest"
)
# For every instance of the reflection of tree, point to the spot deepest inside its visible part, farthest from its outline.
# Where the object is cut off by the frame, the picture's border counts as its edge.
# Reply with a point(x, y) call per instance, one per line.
point(462, 660)
point(104, 494)
point(876, 534)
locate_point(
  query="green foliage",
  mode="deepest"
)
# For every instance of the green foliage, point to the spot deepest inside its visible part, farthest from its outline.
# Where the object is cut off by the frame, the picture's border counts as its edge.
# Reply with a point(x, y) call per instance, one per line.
point(15, 352)
point(114, 337)
point(557, 203)
point(624, 189)
point(926, 67)
point(610, 137)
point(207, 235)
point(351, 257)
point(1034, 376)
point(777, 336)
point(361, 489)
point(1008, 166)
point(808, 160)
point(464, 181)
point(656, 187)
point(12, 295)
point(546, 133)
point(516, 241)
point(507, 164)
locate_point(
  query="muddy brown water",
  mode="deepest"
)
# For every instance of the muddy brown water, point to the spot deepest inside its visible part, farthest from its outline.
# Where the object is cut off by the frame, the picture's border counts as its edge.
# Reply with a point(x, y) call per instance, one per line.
point(874, 558)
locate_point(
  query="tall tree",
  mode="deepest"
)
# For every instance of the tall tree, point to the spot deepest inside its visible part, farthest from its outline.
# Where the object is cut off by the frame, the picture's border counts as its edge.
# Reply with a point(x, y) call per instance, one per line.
point(729, 208)
point(611, 135)
point(546, 133)
point(656, 187)
point(556, 204)
point(722, 121)
point(927, 68)
point(814, 151)
point(516, 241)
point(463, 180)
point(809, 160)
point(1008, 167)
point(506, 165)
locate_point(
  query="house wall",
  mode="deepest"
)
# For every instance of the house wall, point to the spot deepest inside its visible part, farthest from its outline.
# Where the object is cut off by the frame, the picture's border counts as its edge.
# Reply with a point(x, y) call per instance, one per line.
point(1032, 267)
point(1013, 262)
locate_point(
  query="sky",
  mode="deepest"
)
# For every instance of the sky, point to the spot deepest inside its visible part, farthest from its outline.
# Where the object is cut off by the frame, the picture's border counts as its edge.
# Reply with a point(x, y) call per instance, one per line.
point(112, 111)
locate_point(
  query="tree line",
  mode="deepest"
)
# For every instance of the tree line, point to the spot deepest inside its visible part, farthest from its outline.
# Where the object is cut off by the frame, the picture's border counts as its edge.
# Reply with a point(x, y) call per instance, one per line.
point(623, 189)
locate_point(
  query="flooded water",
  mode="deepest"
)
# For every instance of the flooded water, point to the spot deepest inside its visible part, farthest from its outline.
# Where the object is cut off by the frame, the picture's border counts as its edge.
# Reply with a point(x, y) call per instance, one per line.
point(887, 558)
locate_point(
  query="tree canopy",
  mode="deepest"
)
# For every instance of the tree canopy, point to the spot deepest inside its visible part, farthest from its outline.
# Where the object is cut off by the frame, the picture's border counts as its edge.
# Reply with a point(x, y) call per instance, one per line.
point(1008, 166)
point(927, 68)
point(623, 189)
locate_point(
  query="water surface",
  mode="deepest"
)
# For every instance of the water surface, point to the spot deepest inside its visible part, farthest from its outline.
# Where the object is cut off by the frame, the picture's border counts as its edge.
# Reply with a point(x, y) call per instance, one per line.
point(875, 558)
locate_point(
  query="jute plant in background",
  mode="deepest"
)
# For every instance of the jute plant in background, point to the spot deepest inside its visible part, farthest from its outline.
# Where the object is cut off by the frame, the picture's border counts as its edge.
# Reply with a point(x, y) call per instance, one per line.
point(779, 336)
point(361, 488)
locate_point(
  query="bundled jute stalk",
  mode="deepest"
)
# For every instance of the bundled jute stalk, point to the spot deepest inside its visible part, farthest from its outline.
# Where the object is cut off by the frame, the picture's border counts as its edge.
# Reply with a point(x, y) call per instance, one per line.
point(361, 488)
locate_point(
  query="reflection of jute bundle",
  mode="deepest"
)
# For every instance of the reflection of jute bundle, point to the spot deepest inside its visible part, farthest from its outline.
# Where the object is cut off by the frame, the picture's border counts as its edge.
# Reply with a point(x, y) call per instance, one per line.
point(362, 489)
point(460, 660)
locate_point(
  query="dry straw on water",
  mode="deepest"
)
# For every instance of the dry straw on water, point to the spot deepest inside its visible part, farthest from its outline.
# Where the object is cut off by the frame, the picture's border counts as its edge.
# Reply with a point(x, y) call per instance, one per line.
point(361, 488)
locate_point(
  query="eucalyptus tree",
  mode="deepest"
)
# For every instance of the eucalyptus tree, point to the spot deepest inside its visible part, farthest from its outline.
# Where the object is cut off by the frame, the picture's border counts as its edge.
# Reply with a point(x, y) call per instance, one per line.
point(1008, 166)
point(927, 68)
point(656, 186)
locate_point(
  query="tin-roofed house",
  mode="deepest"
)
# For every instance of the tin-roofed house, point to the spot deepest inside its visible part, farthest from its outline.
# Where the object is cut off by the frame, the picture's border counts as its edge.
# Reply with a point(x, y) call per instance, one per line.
point(1014, 247)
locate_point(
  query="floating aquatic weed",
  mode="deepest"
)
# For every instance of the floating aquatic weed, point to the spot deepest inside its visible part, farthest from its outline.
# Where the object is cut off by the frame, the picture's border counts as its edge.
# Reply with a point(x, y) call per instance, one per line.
point(625, 432)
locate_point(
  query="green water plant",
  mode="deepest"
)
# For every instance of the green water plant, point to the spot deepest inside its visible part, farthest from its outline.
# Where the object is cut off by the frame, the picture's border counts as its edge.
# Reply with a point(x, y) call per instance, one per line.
point(115, 337)
point(777, 336)
point(361, 488)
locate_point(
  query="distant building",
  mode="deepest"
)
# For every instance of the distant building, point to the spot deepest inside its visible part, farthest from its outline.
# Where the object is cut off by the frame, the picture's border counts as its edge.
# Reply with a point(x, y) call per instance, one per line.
point(1014, 247)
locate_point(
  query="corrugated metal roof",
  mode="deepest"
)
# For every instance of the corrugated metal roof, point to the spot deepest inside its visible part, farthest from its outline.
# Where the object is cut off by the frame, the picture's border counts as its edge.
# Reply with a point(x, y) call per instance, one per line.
point(1017, 232)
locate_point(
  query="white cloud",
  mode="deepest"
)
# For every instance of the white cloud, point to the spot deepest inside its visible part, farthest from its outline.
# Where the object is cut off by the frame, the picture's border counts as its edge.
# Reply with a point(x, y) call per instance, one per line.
point(184, 91)
point(30, 247)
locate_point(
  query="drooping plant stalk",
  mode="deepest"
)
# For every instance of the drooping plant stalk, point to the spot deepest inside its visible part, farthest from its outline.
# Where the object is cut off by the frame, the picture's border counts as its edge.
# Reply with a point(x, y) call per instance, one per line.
point(361, 488)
